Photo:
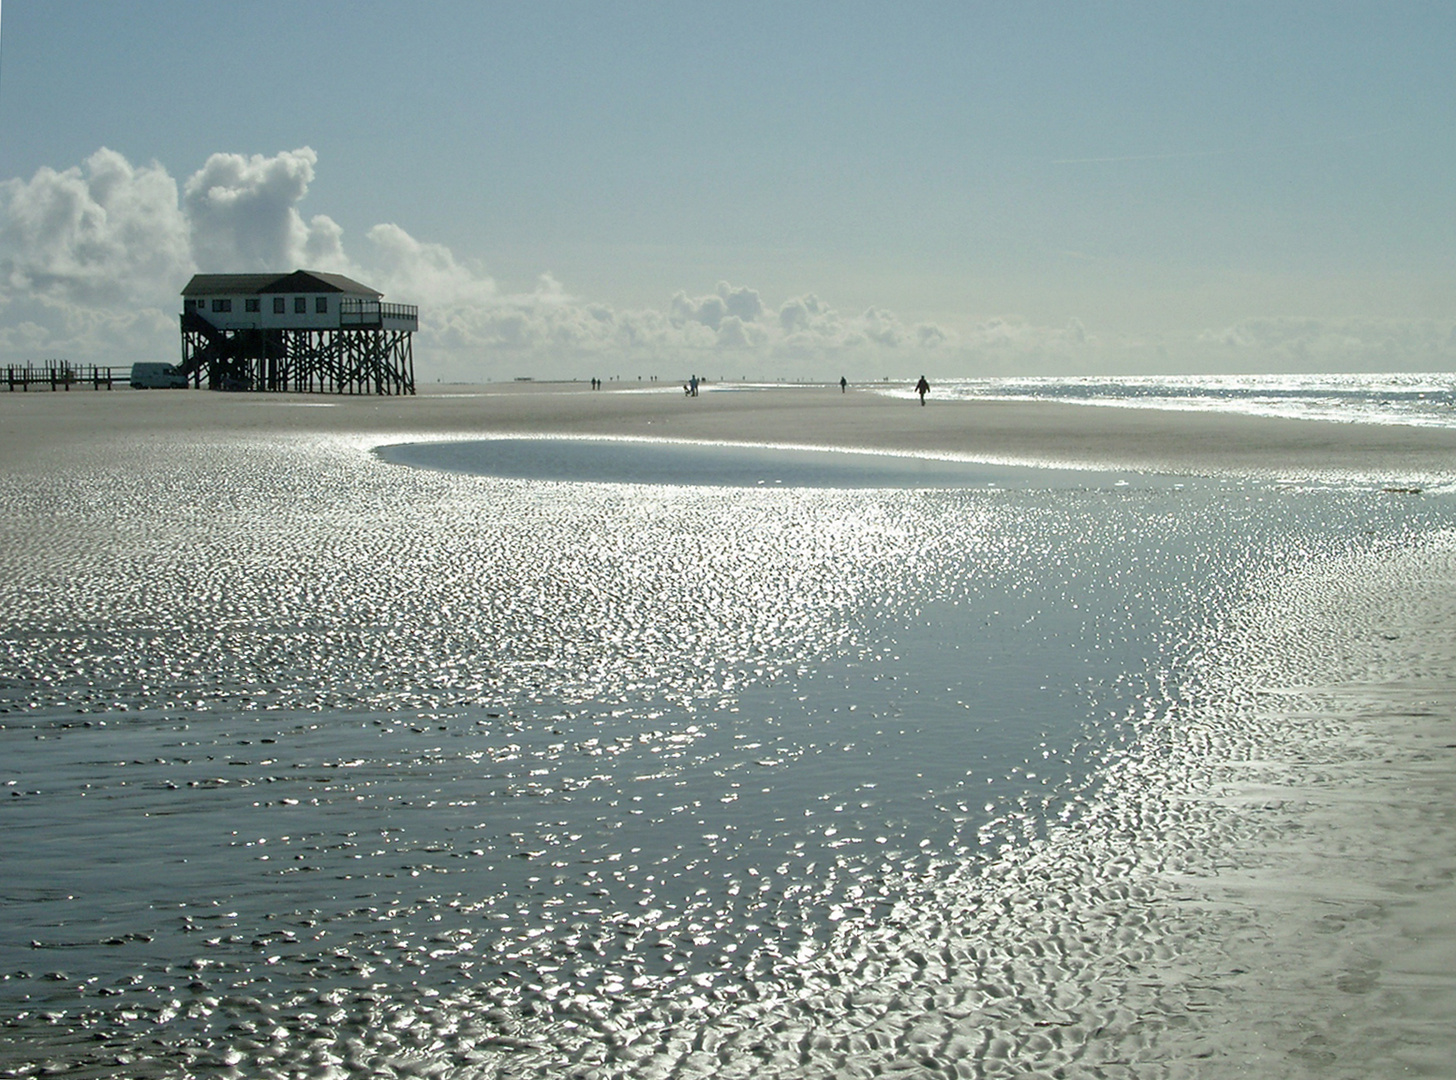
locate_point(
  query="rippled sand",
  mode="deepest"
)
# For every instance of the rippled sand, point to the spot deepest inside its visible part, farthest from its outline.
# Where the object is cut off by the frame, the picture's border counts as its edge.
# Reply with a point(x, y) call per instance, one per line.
point(322, 766)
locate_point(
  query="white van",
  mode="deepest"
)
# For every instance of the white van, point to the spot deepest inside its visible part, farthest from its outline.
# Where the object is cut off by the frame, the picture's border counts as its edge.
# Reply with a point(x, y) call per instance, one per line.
point(157, 377)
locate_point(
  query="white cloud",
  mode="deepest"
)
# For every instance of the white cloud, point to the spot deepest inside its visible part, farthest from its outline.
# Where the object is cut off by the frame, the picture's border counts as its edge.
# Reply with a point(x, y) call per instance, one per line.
point(739, 302)
point(95, 256)
point(794, 314)
point(883, 327)
point(100, 233)
point(736, 333)
point(706, 310)
point(92, 259)
point(430, 272)
point(243, 214)
point(929, 336)
point(44, 330)
point(323, 247)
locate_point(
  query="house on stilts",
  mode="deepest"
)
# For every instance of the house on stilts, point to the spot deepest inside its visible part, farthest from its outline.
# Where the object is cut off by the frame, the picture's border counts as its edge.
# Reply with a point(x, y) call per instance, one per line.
point(305, 332)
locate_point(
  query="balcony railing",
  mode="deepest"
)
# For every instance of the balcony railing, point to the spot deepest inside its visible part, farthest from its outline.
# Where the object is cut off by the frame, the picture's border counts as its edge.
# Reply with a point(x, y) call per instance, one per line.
point(357, 312)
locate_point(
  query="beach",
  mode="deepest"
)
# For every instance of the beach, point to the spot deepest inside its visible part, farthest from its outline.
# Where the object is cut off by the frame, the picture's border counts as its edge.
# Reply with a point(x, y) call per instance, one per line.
point(817, 416)
point(490, 777)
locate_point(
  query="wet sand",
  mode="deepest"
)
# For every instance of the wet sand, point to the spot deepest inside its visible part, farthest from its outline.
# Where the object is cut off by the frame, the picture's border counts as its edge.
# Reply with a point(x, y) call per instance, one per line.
point(1345, 796)
point(1356, 877)
point(1033, 432)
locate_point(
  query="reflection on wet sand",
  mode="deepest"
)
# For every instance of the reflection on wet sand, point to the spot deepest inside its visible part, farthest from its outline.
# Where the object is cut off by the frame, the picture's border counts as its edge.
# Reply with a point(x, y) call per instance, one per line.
point(350, 769)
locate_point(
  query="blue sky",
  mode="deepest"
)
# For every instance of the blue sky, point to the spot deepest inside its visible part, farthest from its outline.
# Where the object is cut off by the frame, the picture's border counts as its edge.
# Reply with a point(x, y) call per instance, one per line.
point(765, 189)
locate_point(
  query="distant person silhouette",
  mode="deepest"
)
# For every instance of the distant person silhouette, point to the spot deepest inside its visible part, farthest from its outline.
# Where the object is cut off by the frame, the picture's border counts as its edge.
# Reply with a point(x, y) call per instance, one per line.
point(922, 388)
point(843, 384)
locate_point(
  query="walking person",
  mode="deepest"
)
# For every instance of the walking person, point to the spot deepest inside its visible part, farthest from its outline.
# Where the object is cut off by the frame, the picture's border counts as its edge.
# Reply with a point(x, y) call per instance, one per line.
point(843, 384)
point(922, 388)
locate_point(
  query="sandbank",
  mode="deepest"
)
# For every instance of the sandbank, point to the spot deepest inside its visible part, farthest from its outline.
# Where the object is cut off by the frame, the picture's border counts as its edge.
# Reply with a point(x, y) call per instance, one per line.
point(34, 426)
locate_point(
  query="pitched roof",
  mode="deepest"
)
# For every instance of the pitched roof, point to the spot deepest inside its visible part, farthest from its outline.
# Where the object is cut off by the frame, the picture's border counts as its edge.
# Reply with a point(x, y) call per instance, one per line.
point(300, 281)
point(232, 284)
point(317, 281)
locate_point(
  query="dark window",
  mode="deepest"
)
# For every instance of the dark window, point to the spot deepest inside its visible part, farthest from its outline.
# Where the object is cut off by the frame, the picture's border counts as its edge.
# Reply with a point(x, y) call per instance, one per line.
point(300, 305)
point(250, 305)
point(321, 305)
point(278, 305)
point(222, 305)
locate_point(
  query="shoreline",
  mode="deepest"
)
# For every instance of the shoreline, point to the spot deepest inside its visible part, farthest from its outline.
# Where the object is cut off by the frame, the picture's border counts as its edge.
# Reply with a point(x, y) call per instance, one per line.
point(35, 425)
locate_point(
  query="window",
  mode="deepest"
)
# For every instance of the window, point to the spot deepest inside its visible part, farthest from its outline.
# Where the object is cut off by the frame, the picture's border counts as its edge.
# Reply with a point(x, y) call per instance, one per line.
point(300, 305)
point(222, 305)
point(278, 305)
point(321, 305)
point(250, 304)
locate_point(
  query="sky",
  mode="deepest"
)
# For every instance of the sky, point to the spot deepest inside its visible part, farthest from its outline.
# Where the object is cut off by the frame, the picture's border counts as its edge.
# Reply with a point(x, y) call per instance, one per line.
point(759, 190)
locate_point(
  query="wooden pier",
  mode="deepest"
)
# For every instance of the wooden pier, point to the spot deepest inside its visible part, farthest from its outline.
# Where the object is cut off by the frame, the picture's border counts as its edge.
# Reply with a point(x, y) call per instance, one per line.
point(62, 375)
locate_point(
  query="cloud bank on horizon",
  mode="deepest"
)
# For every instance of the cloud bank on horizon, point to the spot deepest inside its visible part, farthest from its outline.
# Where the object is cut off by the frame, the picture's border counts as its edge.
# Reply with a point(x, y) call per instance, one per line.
point(93, 258)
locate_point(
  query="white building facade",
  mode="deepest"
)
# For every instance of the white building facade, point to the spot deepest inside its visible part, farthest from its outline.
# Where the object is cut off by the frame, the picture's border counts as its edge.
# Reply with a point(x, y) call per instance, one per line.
point(302, 300)
point(305, 331)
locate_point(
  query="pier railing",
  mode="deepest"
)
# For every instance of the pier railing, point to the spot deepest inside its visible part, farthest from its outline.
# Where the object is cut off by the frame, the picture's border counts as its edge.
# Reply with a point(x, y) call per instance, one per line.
point(62, 375)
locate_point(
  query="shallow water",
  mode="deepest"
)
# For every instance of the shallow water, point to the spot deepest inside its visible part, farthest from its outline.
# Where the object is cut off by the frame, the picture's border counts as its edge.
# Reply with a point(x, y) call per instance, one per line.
point(649, 461)
point(1419, 399)
point(346, 768)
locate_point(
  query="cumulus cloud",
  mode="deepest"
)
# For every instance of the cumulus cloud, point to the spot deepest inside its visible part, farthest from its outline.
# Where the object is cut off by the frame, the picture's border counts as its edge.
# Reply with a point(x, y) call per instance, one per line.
point(104, 232)
point(87, 333)
point(405, 265)
point(883, 327)
point(739, 302)
point(243, 214)
point(92, 259)
point(929, 336)
point(742, 302)
point(794, 315)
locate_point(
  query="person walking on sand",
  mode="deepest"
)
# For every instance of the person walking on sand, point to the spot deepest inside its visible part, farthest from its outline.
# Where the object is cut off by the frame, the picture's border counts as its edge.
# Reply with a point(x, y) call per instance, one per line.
point(922, 388)
point(843, 384)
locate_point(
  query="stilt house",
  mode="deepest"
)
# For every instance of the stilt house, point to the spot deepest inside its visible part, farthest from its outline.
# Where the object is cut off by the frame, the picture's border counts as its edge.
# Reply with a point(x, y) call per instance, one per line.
point(304, 331)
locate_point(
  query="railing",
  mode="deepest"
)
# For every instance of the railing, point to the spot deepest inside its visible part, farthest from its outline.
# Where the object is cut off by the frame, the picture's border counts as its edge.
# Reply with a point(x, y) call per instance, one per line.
point(356, 312)
point(62, 375)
